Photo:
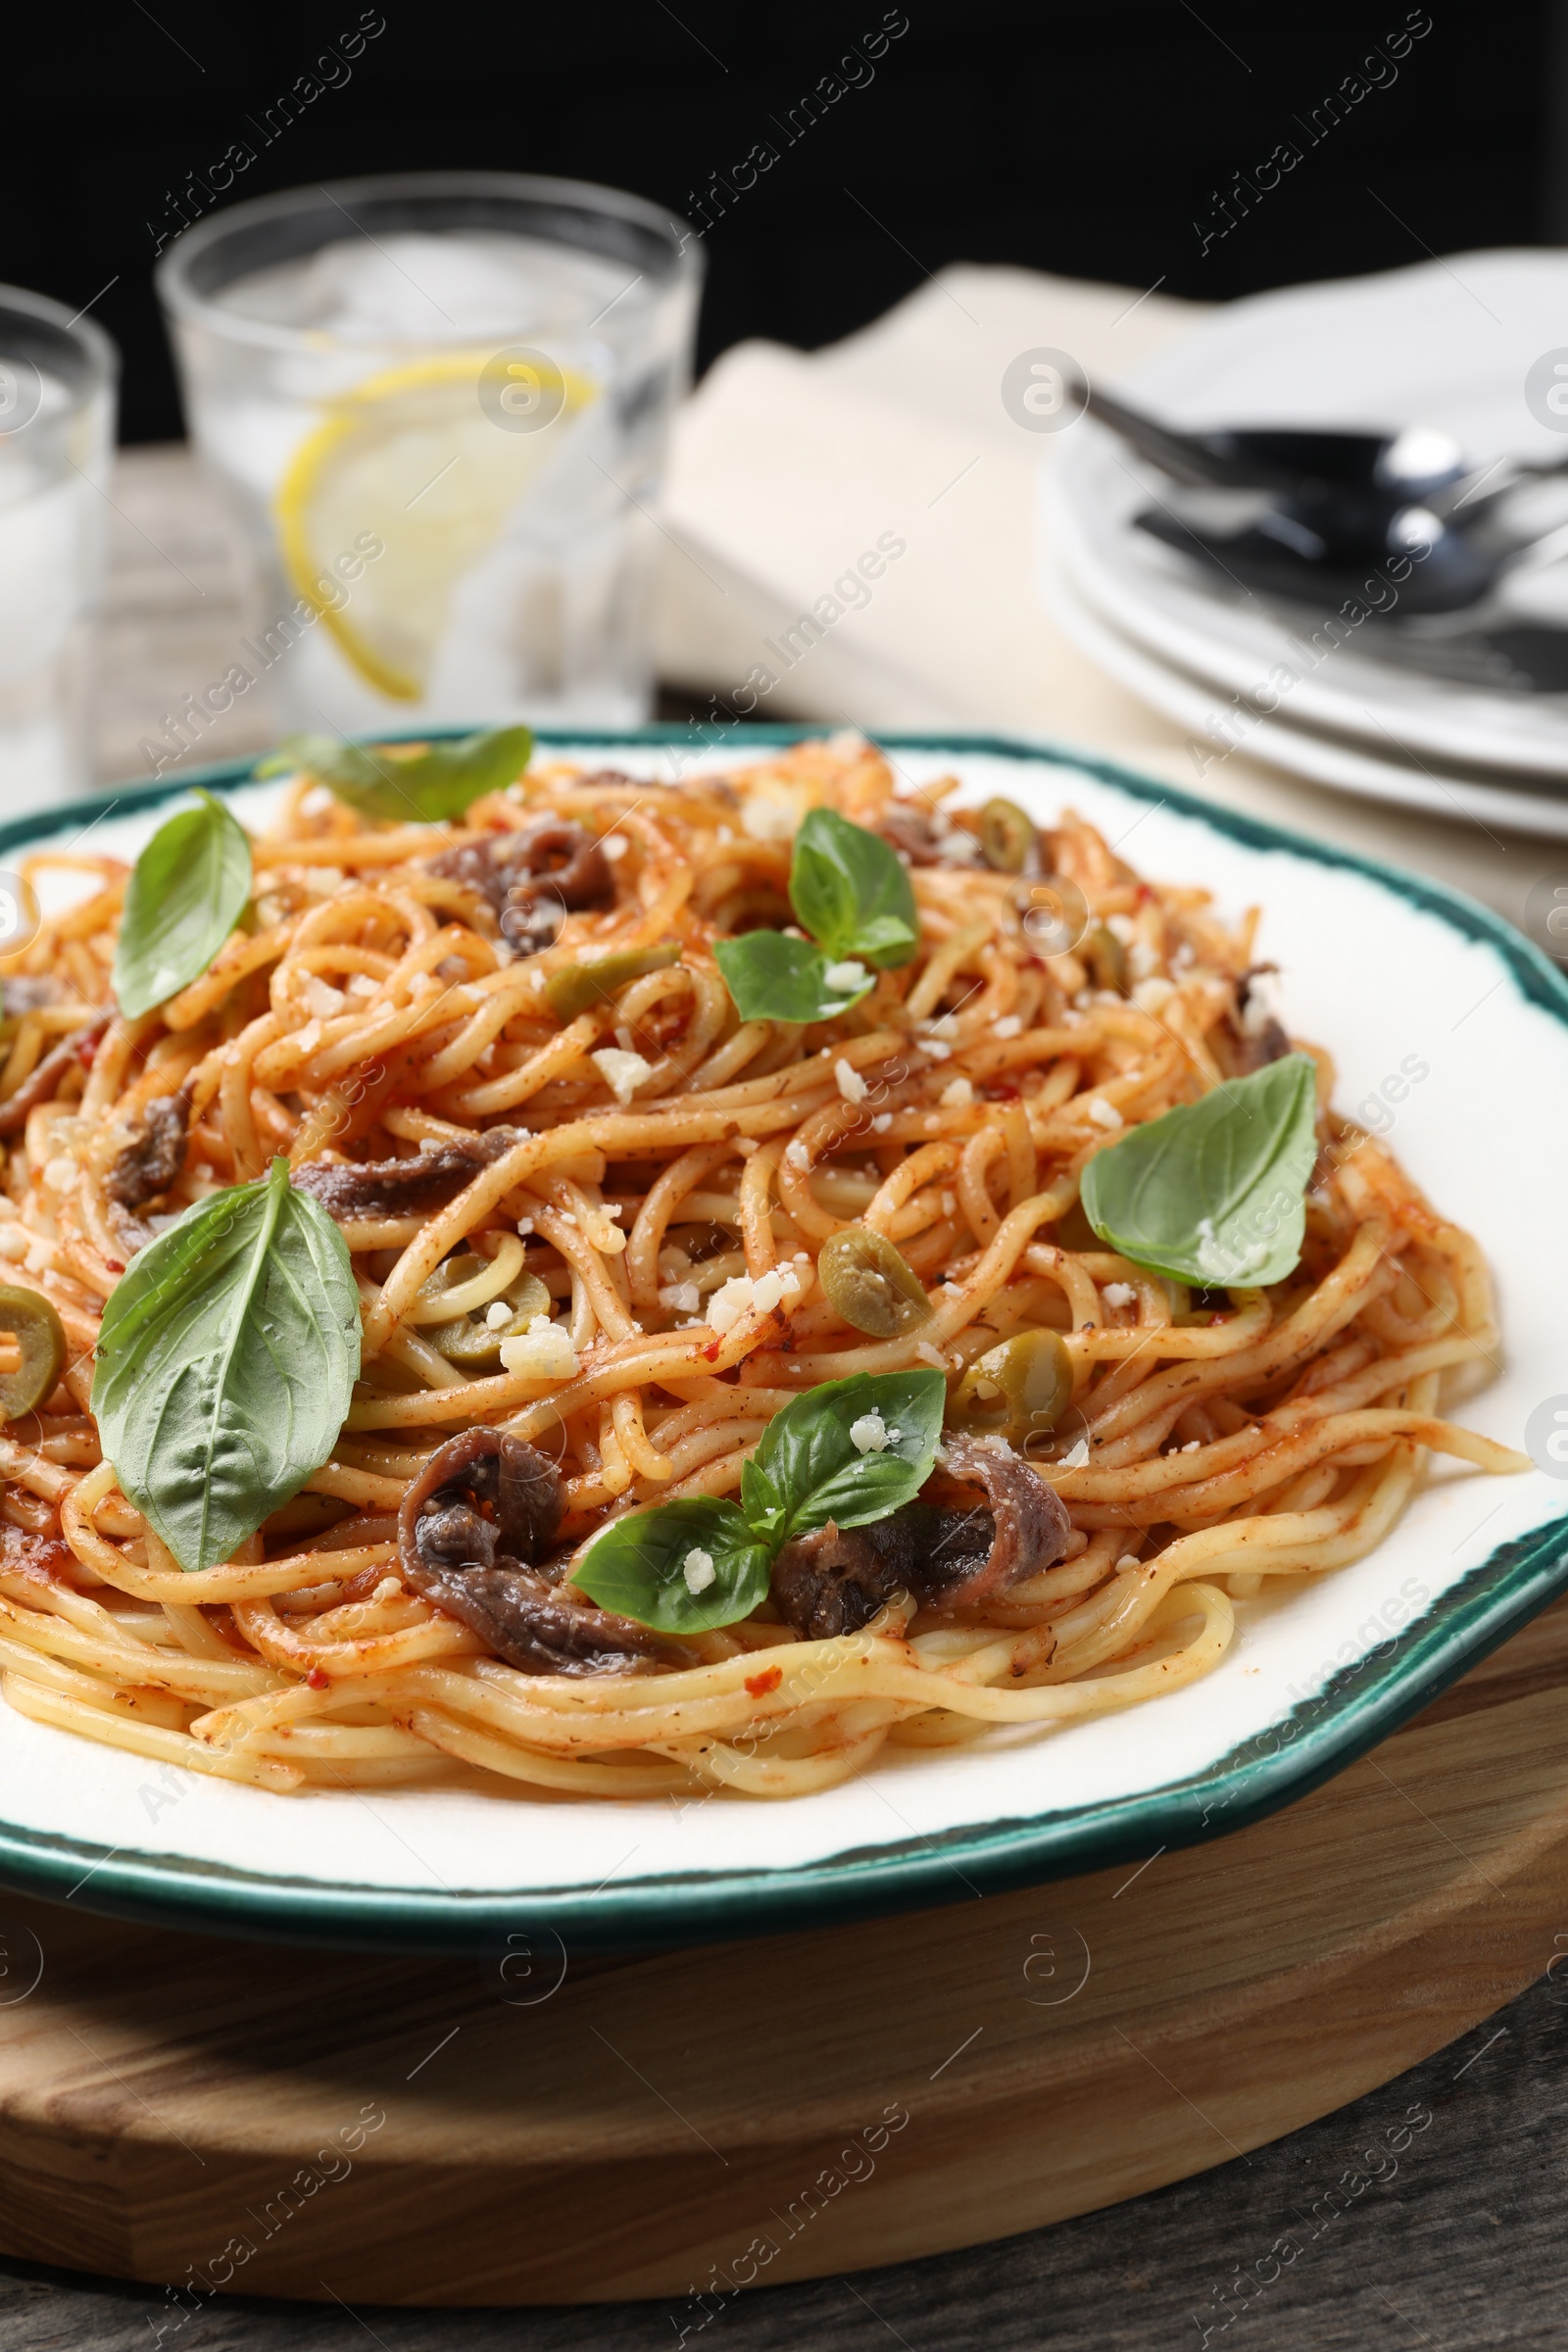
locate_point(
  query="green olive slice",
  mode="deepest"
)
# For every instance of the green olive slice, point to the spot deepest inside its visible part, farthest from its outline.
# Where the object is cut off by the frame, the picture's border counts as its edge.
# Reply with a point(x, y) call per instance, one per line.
point(867, 1281)
point(40, 1335)
point(472, 1342)
point(1007, 836)
point(594, 979)
point(1106, 959)
point(1023, 1384)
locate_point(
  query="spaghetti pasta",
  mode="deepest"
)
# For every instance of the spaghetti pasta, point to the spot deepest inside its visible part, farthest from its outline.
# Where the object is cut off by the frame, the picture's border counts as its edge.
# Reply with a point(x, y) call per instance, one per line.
point(657, 1179)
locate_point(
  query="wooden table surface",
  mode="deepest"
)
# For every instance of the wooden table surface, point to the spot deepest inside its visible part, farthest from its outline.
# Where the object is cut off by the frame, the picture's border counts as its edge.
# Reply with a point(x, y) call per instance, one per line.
point(1461, 2246)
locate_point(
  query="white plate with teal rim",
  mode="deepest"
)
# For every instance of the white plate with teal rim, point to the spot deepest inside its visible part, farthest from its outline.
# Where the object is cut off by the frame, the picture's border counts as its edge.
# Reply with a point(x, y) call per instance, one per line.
point(1388, 971)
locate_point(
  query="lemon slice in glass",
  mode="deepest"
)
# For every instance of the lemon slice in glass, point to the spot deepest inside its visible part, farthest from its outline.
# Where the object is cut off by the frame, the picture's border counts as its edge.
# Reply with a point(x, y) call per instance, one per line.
point(417, 457)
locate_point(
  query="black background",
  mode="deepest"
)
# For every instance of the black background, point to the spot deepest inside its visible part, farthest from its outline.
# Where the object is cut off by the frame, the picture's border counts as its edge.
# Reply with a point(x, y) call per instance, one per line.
point(1084, 139)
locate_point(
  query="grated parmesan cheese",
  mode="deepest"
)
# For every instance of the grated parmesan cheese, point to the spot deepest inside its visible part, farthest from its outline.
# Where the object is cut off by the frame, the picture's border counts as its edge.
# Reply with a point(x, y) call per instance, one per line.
point(624, 1073)
point(543, 1351)
point(746, 1294)
point(321, 997)
point(697, 1569)
point(852, 1086)
point(765, 819)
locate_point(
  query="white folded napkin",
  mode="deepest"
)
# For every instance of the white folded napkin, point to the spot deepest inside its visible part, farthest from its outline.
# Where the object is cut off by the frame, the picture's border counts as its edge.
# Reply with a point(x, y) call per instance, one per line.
point(851, 532)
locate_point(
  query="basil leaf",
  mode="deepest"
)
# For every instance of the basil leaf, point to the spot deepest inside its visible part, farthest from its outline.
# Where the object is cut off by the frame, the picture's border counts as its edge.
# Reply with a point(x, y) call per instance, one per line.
point(638, 1566)
point(848, 890)
point(188, 893)
point(772, 979)
point(761, 1503)
point(407, 787)
point(1212, 1192)
point(225, 1363)
point(807, 1470)
point(811, 1461)
point(886, 939)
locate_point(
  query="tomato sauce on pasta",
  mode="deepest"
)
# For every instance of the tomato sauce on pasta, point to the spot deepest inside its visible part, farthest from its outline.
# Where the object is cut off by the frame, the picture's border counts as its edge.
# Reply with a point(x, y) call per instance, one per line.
point(669, 1175)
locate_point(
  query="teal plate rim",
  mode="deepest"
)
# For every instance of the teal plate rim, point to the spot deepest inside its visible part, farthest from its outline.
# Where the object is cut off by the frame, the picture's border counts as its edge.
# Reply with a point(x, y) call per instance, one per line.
point(1322, 1735)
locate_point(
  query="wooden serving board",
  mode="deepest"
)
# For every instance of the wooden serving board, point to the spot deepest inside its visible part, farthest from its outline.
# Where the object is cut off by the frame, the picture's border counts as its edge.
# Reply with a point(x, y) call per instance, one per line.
point(224, 2116)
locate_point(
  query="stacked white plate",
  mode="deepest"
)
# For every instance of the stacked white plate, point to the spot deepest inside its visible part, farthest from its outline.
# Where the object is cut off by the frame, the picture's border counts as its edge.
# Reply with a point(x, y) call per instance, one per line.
point(1448, 344)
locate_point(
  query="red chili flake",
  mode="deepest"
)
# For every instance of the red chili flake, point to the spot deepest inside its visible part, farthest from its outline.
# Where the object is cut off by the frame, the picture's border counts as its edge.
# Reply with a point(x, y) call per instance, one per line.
point(758, 1684)
point(1003, 1093)
point(114, 1265)
point(317, 1680)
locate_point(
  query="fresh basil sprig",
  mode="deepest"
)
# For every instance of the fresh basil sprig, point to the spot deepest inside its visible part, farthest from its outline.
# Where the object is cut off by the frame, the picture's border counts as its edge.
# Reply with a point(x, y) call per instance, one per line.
point(774, 978)
point(807, 1470)
point(851, 893)
point(407, 787)
point(186, 894)
point(1213, 1192)
point(225, 1362)
point(638, 1566)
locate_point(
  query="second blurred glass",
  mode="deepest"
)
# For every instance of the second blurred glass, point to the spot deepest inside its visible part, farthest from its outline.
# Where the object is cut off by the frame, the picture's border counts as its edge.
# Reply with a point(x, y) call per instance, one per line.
point(439, 405)
point(57, 430)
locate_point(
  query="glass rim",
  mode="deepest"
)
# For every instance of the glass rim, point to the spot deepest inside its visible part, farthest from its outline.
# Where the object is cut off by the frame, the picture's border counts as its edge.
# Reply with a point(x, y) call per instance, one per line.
point(98, 348)
point(172, 272)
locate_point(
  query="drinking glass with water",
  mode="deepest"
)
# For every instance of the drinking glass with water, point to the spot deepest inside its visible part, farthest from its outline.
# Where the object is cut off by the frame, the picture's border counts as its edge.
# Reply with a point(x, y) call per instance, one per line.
point(439, 405)
point(57, 429)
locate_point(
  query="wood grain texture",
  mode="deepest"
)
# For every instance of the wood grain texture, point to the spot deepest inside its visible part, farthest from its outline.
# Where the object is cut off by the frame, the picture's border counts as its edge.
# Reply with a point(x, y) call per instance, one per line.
point(176, 2107)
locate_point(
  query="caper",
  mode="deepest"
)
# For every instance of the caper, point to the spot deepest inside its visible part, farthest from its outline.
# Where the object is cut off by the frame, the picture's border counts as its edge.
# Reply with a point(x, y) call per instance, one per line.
point(1007, 836)
point(1106, 959)
point(594, 979)
point(867, 1281)
point(468, 1341)
point(1023, 1384)
point(40, 1335)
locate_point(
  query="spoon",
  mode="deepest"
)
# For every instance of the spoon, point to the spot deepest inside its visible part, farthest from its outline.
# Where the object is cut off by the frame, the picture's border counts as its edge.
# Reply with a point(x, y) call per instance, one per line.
point(1409, 468)
point(1431, 568)
point(1346, 488)
point(1283, 552)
